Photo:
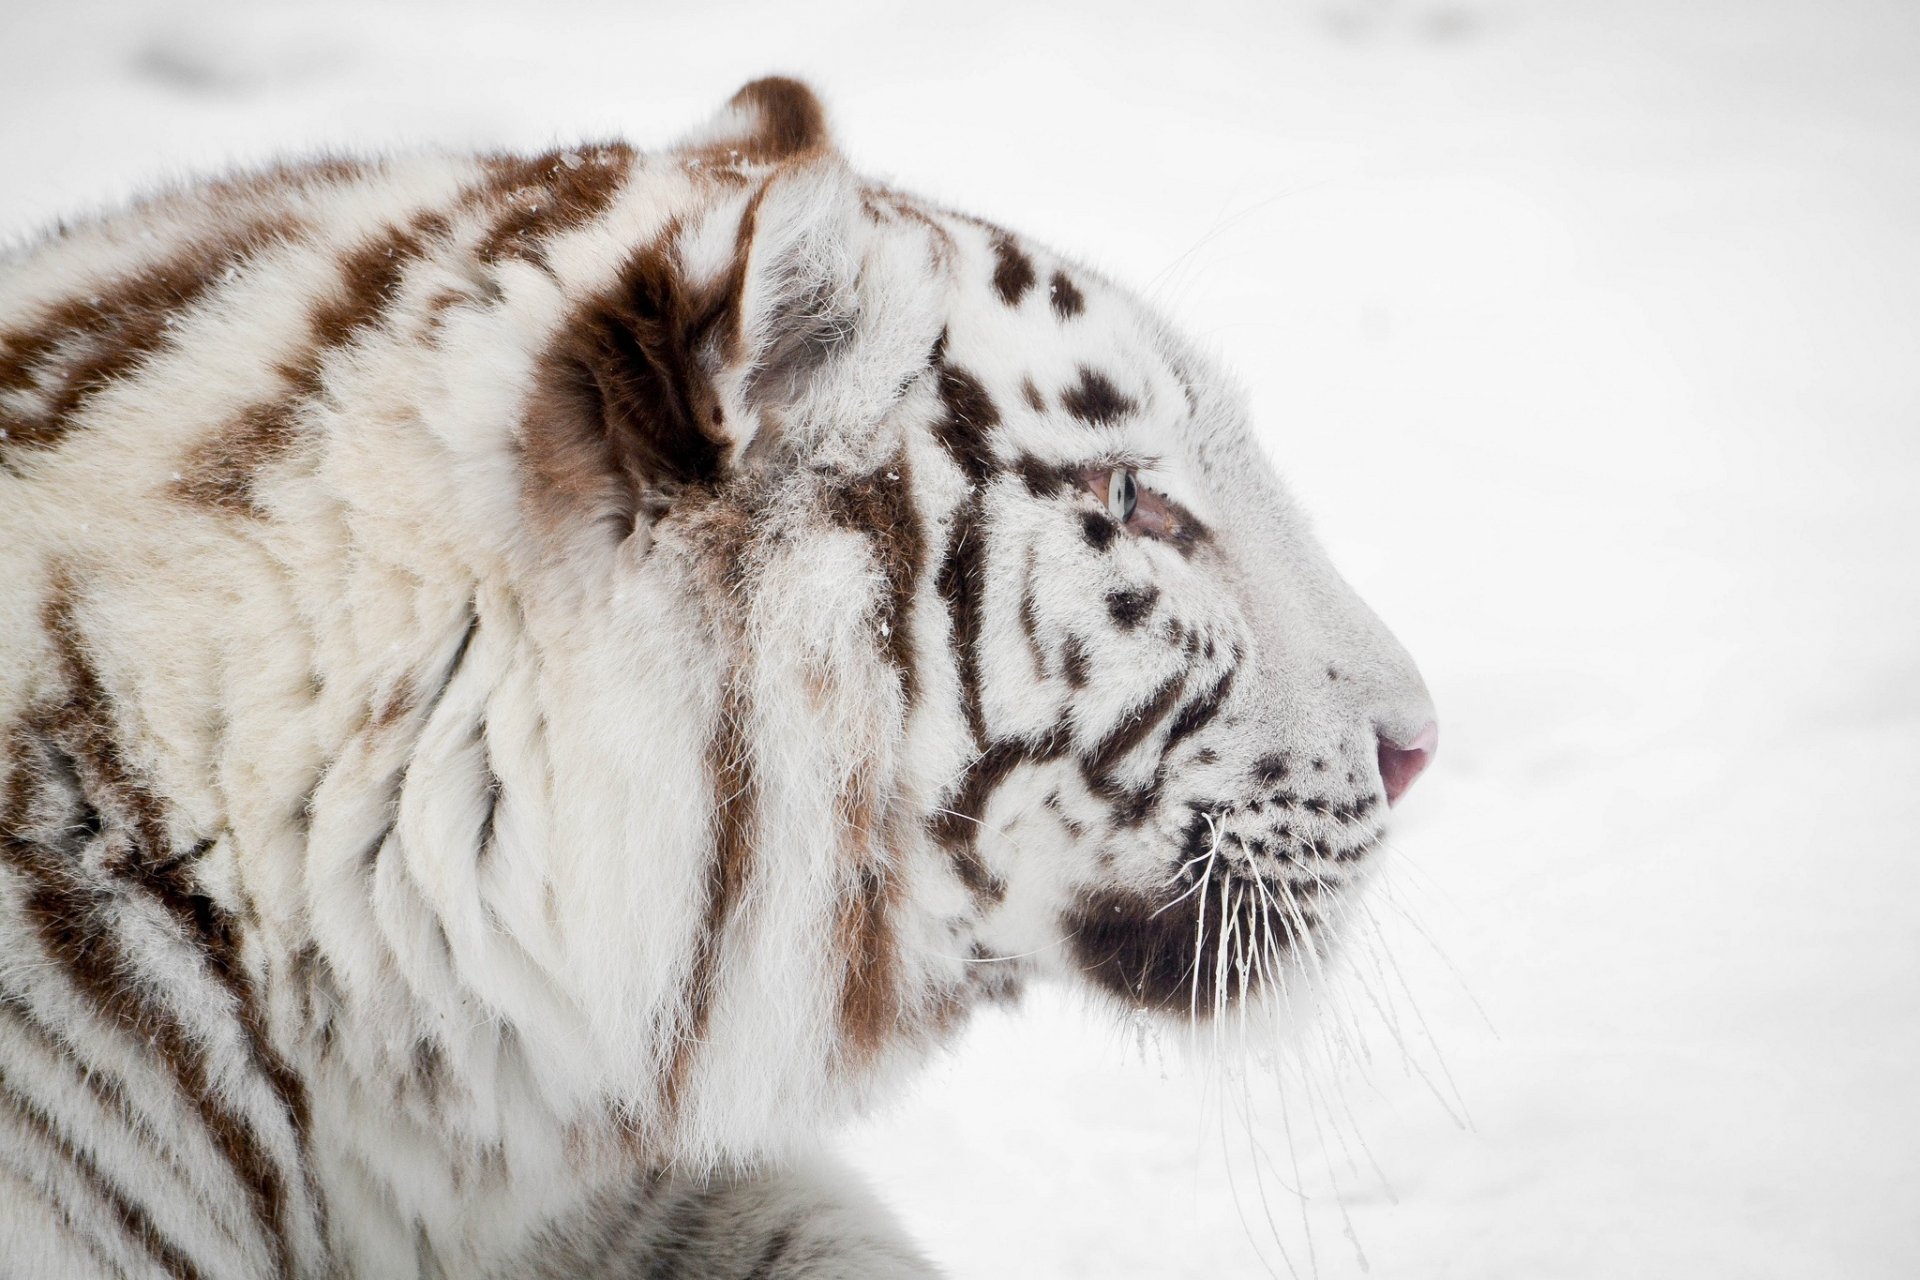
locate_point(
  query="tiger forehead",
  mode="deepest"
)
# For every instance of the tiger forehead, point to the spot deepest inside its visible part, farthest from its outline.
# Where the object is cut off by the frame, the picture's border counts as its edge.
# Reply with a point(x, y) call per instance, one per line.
point(1044, 333)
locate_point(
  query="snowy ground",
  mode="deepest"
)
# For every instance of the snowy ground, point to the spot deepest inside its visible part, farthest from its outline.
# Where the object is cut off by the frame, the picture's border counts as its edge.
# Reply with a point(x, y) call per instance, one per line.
point(1591, 328)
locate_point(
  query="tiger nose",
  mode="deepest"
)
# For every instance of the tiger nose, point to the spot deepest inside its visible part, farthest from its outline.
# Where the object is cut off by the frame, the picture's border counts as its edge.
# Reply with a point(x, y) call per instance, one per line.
point(1400, 765)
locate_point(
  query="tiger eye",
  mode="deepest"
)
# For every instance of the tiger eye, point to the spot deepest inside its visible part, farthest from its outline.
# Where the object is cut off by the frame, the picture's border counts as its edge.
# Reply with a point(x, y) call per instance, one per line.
point(1123, 495)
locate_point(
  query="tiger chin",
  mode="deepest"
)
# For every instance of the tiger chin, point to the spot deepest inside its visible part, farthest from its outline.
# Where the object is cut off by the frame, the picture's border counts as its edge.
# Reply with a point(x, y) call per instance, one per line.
point(532, 686)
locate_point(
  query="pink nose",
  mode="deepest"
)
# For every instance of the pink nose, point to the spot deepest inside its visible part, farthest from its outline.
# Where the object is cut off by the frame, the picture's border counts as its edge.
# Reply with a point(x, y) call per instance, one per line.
point(1399, 765)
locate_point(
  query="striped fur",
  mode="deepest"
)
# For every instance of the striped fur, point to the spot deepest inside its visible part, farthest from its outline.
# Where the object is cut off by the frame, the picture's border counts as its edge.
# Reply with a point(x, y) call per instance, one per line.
point(533, 685)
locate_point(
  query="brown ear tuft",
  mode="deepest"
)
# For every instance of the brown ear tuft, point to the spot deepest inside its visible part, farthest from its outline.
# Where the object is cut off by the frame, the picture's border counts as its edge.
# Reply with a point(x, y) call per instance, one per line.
point(622, 412)
point(767, 121)
point(791, 118)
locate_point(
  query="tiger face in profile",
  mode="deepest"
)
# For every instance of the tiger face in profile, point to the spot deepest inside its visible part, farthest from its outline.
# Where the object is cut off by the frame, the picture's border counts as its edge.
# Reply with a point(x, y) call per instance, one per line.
point(532, 686)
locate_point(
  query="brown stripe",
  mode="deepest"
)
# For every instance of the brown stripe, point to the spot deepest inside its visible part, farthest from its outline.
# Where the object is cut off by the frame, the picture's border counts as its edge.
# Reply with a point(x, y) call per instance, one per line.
point(75, 739)
point(152, 864)
point(880, 505)
point(735, 792)
point(131, 1217)
point(1132, 730)
point(1198, 713)
point(293, 176)
point(82, 346)
point(109, 1267)
point(885, 205)
point(864, 935)
point(225, 469)
point(545, 196)
point(107, 1089)
point(870, 998)
point(1030, 616)
point(957, 824)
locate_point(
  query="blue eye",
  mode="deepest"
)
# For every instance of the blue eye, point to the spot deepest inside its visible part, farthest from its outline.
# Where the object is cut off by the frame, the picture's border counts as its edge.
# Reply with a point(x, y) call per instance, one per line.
point(1123, 495)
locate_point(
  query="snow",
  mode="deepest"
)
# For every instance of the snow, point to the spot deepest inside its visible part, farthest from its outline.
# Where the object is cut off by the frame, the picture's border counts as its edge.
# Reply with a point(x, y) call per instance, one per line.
point(1591, 330)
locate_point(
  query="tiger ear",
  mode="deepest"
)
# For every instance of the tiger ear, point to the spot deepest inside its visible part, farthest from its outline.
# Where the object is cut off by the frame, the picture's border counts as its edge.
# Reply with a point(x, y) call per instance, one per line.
point(768, 121)
point(728, 331)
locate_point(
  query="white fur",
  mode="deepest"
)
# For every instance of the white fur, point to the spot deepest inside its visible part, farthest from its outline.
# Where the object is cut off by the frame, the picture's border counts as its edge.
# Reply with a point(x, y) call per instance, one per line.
point(277, 679)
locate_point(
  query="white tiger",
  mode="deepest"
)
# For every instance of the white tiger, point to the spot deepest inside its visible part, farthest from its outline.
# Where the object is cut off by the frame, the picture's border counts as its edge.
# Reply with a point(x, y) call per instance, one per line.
point(531, 687)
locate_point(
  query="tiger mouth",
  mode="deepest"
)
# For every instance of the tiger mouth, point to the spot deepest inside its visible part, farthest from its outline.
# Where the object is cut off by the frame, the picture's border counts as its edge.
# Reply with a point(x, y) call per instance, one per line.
point(1195, 953)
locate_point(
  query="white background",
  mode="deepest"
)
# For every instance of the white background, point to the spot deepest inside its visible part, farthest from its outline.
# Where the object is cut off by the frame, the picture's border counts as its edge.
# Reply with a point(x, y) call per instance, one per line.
point(1591, 331)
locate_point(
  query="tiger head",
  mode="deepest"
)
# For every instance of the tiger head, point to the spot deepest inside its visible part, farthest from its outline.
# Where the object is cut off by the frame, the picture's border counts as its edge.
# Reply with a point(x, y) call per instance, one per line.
point(1006, 652)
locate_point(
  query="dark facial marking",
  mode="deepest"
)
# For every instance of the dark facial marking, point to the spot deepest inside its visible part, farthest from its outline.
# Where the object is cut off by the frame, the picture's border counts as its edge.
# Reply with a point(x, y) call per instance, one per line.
point(1198, 713)
point(1068, 301)
point(1096, 401)
point(491, 788)
point(956, 826)
point(1130, 607)
point(1043, 479)
point(1030, 617)
point(1270, 769)
point(777, 1246)
point(1147, 956)
point(1074, 663)
point(1013, 272)
point(1098, 528)
point(962, 584)
point(1130, 732)
point(968, 418)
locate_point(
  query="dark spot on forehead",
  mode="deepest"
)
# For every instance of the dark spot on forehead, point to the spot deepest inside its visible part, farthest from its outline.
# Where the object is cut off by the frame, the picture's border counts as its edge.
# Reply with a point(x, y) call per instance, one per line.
point(1068, 301)
point(1095, 400)
point(1035, 401)
point(1013, 272)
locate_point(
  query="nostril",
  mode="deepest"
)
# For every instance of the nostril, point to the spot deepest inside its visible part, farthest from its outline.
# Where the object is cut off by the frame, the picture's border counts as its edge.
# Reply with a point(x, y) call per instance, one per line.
point(1400, 765)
